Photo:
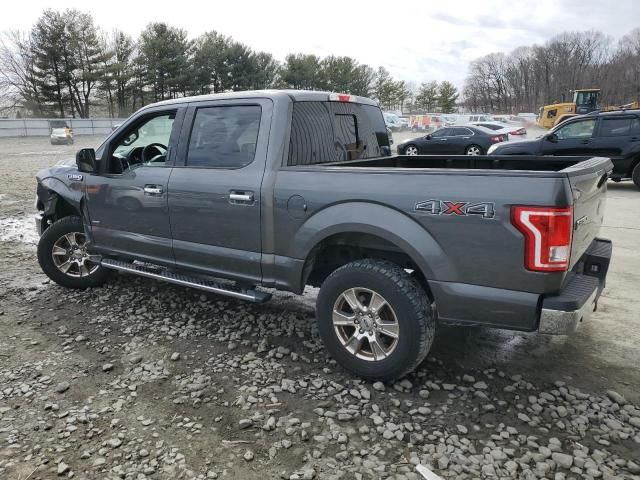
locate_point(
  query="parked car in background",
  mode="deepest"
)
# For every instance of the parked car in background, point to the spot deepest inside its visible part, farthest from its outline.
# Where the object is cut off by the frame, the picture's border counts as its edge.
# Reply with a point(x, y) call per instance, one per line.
point(395, 122)
point(60, 132)
point(604, 134)
point(479, 118)
point(450, 120)
point(499, 127)
point(462, 140)
point(420, 123)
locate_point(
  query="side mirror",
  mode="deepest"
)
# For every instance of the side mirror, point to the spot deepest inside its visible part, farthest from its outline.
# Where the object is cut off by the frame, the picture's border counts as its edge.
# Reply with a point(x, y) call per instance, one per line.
point(552, 137)
point(428, 137)
point(86, 160)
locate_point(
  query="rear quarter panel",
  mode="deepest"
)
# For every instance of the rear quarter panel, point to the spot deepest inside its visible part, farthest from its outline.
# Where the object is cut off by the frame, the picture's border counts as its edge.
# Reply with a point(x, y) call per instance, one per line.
point(467, 249)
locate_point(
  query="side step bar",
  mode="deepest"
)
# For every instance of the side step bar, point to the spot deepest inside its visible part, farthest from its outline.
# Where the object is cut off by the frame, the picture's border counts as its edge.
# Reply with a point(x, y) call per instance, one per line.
point(184, 280)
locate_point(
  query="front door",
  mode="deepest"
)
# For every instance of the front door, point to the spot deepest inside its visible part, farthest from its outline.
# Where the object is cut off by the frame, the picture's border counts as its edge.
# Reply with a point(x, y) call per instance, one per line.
point(127, 199)
point(573, 138)
point(214, 190)
point(439, 142)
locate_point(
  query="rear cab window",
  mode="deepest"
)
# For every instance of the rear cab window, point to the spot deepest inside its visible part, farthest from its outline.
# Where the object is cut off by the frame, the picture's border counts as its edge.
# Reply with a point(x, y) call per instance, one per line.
point(328, 132)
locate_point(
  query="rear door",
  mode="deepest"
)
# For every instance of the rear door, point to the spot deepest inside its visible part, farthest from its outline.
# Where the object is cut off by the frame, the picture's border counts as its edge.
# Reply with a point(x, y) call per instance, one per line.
point(613, 136)
point(573, 138)
point(214, 190)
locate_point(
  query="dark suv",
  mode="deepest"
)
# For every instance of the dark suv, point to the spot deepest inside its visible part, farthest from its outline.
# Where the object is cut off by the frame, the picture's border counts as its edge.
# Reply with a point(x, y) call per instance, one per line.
point(606, 134)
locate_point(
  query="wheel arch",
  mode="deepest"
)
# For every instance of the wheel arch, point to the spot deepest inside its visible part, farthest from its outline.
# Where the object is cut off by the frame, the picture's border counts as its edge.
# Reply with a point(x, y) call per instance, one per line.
point(634, 163)
point(367, 230)
point(55, 200)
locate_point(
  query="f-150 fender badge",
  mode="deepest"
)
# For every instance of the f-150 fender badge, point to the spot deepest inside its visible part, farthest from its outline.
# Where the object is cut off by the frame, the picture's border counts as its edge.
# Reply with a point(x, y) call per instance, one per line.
point(462, 209)
point(75, 177)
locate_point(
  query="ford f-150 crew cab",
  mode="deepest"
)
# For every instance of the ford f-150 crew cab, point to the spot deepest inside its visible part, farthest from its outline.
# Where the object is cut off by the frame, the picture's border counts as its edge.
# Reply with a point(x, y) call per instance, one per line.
point(238, 193)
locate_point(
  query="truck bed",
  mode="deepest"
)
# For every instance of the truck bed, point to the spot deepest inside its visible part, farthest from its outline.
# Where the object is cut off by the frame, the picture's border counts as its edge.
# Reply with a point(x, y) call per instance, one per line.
point(528, 163)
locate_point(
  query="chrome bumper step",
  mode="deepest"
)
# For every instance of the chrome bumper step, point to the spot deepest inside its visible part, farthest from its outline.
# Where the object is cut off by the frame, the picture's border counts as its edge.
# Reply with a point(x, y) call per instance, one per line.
point(160, 273)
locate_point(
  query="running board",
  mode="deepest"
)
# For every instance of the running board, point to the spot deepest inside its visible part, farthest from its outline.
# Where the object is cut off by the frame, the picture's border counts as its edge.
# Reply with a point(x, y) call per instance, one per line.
point(184, 280)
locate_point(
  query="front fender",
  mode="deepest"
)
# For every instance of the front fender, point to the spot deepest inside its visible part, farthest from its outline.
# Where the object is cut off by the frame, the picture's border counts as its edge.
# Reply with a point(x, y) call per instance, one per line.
point(70, 192)
point(392, 225)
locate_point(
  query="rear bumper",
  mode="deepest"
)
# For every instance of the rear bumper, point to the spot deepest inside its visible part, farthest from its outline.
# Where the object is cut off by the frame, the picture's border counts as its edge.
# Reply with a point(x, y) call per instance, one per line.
point(562, 314)
point(559, 314)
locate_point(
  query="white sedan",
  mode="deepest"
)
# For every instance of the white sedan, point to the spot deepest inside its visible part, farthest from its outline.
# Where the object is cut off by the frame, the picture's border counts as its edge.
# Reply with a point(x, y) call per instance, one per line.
point(502, 128)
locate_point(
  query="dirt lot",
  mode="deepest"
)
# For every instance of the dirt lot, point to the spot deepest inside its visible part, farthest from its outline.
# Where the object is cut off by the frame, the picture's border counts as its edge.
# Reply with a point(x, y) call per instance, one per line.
point(144, 380)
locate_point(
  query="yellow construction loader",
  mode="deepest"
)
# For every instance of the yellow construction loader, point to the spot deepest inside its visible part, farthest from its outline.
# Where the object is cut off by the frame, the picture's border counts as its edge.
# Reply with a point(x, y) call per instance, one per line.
point(585, 100)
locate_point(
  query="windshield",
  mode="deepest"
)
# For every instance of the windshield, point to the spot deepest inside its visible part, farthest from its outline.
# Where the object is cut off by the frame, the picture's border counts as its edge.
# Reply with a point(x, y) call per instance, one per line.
point(588, 99)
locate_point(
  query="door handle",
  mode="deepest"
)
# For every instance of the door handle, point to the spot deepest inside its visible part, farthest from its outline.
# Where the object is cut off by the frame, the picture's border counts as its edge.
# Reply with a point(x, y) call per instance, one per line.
point(153, 189)
point(241, 197)
point(585, 142)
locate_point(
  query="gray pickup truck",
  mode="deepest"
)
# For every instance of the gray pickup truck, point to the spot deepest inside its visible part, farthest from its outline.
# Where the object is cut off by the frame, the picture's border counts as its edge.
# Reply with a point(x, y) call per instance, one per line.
point(238, 193)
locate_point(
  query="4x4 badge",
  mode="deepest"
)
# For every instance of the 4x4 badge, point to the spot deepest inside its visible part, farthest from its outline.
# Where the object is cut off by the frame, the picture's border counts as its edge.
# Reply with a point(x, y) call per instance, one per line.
point(463, 209)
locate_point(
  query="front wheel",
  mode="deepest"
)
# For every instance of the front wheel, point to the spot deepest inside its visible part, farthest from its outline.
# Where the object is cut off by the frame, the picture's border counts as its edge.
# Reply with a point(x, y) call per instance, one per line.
point(473, 150)
point(375, 319)
point(411, 150)
point(63, 256)
point(635, 175)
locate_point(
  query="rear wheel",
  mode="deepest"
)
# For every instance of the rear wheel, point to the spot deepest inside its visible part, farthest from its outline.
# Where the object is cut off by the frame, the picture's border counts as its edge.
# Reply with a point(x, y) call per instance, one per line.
point(63, 256)
point(635, 175)
point(473, 150)
point(375, 319)
point(411, 150)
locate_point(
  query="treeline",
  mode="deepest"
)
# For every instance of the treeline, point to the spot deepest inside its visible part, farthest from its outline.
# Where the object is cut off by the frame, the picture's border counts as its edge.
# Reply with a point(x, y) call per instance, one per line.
point(67, 66)
point(529, 77)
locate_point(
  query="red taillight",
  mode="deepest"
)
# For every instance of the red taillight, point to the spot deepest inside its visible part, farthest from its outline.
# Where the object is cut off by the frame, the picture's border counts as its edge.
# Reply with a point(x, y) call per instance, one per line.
point(497, 138)
point(547, 233)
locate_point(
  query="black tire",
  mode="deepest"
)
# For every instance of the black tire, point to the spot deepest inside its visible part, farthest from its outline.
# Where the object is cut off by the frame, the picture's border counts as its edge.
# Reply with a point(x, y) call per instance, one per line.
point(405, 297)
point(53, 234)
point(635, 175)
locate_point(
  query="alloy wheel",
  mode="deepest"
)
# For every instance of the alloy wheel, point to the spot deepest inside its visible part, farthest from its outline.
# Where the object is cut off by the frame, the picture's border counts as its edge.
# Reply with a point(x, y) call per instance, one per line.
point(365, 324)
point(70, 255)
point(411, 150)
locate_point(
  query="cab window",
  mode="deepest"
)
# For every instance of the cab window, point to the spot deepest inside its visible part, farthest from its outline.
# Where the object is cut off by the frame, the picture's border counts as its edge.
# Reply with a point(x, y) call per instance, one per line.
point(615, 127)
point(145, 143)
point(443, 132)
point(579, 129)
point(224, 137)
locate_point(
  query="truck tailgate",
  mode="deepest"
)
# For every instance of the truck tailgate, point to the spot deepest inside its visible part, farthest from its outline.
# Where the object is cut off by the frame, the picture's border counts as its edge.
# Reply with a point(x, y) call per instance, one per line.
point(588, 180)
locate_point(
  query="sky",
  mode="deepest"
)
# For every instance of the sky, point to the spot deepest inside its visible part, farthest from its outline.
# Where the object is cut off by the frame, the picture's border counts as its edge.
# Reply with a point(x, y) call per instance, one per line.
point(417, 40)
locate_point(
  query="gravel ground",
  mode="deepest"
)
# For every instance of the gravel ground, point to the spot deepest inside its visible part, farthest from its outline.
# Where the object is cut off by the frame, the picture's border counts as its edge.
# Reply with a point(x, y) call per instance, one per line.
point(140, 379)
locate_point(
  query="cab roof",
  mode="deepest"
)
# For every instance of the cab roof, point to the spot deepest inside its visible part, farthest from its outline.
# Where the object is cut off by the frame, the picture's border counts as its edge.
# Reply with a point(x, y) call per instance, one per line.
point(291, 95)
